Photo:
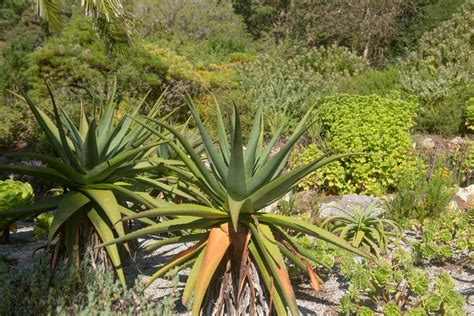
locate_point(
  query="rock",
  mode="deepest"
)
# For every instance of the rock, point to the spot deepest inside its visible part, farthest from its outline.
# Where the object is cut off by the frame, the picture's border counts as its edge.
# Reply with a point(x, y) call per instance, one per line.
point(347, 202)
point(306, 202)
point(464, 198)
point(428, 143)
point(456, 143)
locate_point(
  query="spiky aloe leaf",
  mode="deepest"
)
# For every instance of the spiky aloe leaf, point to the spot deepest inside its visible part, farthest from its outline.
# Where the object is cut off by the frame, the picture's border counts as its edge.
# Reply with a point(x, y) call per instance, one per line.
point(217, 244)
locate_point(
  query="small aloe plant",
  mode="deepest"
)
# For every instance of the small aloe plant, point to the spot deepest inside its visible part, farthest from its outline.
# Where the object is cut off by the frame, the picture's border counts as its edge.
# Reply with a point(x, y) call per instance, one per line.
point(364, 228)
point(234, 230)
point(95, 164)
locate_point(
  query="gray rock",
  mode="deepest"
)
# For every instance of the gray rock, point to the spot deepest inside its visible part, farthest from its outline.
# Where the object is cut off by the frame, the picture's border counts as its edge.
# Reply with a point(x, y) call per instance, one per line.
point(306, 202)
point(464, 198)
point(428, 143)
point(347, 202)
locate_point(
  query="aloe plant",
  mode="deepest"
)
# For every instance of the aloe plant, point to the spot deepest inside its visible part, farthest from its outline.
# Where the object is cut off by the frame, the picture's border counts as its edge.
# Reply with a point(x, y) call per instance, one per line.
point(95, 164)
point(363, 228)
point(235, 231)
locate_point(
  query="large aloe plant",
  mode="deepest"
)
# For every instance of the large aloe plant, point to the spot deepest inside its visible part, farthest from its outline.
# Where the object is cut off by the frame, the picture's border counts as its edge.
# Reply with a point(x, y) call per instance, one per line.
point(239, 183)
point(95, 162)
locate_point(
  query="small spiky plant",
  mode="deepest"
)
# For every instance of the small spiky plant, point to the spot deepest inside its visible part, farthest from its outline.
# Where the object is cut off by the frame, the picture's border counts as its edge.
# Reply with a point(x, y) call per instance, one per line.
point(363, 228)
point(96, 163)
point(236, 233)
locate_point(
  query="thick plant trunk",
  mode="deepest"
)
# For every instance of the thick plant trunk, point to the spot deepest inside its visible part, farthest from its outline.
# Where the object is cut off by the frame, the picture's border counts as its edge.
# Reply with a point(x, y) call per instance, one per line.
point(221, 299)
point(85, 240)
point(236, 288)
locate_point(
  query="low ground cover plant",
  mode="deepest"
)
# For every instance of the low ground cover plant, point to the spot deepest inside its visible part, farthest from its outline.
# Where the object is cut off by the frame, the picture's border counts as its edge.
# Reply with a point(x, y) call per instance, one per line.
point(395, 286)
point(448, 237)
point(37, 291)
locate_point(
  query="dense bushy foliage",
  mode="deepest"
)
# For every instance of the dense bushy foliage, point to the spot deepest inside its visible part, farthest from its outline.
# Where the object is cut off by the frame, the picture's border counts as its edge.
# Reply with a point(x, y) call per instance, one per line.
point(470, 115)
point(373, 126)
point(200, 30)
point(429, 14)
point(371, 28)
point(77, 65)
point(439, 73)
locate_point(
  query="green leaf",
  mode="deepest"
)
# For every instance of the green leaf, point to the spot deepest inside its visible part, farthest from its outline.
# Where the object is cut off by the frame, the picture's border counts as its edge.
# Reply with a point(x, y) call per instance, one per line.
point(274, 190)
point(176, 240)
point(106, 235)
point(238, 207)
point(253, 143)
point(57, 164)
point(36, 171)
point(106, 168)
point(262, 267)
point(193, 210)
point(164, 187)
point(41, 206)
point(310, 229)
point(71, 202)
point(192, 278)
point(276, 264)
point(90, 154)
point(167, 226)
point(105, 201)
point(64, 140)
point(236, 180)
point(213, 155)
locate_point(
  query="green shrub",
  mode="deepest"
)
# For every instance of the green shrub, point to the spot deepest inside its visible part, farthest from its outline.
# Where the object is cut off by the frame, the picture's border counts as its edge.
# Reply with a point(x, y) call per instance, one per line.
point(203, 31)
point(419, 197)
point(36, 291)
point(370, 125)
point(380, 82)
point(439, 71)
point(428, 15)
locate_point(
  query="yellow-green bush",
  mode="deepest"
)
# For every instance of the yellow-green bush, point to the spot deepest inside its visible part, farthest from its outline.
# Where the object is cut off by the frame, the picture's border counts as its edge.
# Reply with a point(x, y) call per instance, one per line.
point(371, 125)
point(180, 68)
